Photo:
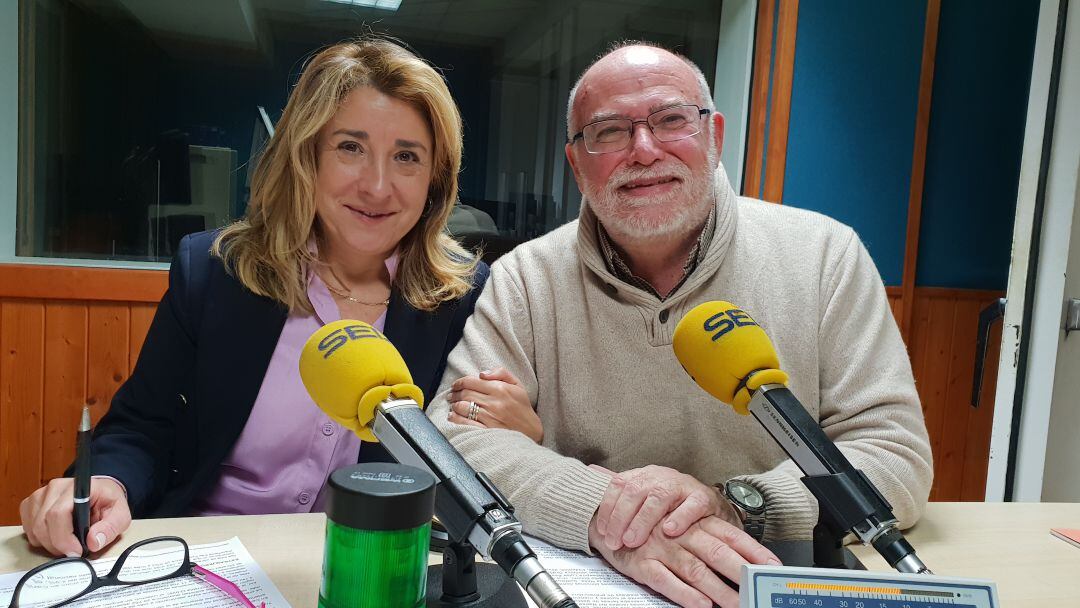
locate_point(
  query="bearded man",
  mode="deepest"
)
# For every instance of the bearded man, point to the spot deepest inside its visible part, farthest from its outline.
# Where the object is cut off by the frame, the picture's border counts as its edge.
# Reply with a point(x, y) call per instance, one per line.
point(637, 462)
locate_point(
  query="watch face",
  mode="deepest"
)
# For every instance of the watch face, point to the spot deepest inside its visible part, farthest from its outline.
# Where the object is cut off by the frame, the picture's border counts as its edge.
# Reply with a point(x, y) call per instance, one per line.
point(745, 494)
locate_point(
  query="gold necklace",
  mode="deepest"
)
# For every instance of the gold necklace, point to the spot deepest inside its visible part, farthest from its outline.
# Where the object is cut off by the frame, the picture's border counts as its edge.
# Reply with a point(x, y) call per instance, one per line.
point(348, 296)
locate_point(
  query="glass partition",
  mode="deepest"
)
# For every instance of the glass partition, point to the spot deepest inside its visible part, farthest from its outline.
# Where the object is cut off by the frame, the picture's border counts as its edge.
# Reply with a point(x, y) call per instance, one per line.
point(140, 119)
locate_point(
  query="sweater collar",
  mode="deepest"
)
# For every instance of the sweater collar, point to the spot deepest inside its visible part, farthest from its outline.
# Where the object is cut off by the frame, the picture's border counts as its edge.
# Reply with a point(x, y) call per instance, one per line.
point(618, 266)
point(723, 225)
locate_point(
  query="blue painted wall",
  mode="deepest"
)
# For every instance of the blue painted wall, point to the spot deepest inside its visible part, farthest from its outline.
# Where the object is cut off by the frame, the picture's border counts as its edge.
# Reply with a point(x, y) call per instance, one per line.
point(981, 80)
point(853, 103)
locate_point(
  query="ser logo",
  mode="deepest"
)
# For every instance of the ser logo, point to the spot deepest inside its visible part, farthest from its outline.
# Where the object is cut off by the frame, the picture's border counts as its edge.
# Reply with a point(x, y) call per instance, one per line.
point(727, 320)
point(341, 336)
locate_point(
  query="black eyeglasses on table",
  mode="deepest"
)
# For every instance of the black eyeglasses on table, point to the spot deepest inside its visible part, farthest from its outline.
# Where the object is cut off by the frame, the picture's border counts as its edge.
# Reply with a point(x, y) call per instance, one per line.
point(64, 580)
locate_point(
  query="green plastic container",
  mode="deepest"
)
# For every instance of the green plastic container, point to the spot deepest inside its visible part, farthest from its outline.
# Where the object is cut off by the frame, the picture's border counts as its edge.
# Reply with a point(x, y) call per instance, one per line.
point(378, 527)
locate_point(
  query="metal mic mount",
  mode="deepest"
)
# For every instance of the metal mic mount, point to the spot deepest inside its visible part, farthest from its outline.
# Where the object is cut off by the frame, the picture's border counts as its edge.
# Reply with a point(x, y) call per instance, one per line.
point(848, 501)
point(476, 515)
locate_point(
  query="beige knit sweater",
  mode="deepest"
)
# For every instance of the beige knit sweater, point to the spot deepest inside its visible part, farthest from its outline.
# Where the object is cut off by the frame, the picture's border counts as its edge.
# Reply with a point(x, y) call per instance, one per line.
point(595, 357)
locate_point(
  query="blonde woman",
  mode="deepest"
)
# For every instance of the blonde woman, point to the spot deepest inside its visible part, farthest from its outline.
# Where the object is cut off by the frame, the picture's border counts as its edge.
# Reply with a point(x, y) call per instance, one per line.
point(347, 215)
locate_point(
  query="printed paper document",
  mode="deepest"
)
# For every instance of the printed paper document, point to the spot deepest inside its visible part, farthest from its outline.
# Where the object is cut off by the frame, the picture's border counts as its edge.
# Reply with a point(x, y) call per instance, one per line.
point(591, 581)
point(228, 559)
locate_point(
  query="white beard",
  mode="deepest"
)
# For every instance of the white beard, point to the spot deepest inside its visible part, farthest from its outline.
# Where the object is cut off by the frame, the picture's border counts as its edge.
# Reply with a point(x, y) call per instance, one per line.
point(688, 204)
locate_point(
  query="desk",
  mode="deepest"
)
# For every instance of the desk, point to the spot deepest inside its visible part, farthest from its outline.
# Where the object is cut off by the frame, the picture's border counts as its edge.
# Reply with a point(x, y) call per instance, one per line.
point(1009, 543)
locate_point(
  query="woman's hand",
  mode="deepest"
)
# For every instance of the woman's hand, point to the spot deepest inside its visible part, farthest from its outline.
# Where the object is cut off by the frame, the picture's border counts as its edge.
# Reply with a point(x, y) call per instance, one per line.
point(493, 400)
point(46, 516)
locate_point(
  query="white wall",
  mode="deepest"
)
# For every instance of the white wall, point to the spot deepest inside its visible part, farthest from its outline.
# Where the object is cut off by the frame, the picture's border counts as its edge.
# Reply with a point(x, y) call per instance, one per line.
point(734, 63)
point(9, 120)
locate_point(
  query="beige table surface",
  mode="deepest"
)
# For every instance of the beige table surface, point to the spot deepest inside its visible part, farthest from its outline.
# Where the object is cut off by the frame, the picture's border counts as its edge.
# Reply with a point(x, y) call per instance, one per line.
point(1008, 543)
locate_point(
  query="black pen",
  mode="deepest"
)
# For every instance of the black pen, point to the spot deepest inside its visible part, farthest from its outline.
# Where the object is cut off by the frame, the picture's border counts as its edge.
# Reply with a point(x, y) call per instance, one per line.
point(82, 480)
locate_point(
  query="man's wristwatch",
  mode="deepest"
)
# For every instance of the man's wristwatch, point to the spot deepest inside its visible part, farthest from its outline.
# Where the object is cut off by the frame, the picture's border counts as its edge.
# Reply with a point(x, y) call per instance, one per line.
point(749, 504)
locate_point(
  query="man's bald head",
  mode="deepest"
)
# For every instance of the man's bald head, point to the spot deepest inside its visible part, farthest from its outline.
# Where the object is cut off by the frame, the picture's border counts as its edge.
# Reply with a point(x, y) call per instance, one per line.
point(631, 55)
point(655, 186)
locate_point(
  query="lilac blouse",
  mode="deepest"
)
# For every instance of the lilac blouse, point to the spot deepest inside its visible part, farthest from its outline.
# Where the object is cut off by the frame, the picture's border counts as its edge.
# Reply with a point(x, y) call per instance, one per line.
point(288, 447)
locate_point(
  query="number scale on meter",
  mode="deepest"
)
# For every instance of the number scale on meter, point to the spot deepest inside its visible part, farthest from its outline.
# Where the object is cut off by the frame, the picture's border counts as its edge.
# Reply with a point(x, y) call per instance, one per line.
point(789, 587)
point(839, 599)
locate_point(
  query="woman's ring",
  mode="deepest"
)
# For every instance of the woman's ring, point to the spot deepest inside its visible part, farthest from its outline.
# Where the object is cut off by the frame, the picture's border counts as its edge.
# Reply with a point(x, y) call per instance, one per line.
point(473, 410)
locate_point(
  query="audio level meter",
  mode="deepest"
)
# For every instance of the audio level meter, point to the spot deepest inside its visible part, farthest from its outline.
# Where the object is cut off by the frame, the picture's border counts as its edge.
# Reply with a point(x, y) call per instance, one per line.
point(792, 587)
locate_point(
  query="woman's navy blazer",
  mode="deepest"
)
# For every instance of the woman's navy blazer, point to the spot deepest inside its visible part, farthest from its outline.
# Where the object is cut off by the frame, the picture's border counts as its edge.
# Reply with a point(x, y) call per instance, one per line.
point(180, 413)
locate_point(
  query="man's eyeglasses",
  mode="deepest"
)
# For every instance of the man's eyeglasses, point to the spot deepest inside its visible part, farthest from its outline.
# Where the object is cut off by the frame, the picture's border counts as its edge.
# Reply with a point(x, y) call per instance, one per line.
point(669, 124)
point(67, 579)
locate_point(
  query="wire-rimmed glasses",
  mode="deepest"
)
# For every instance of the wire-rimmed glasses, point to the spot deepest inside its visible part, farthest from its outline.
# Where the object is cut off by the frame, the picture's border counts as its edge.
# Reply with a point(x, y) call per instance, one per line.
point(67, 579)
point(669, 124)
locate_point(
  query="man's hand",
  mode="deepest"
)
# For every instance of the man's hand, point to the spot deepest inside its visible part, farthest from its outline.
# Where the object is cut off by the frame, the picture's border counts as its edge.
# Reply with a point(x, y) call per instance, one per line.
point(46, 516)
point(637, 500)
point(684, 569)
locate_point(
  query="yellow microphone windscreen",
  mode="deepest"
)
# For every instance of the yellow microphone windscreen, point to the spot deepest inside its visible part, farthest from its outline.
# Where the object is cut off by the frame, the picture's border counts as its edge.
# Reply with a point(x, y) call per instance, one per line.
point(348, 367)
point(719, 345)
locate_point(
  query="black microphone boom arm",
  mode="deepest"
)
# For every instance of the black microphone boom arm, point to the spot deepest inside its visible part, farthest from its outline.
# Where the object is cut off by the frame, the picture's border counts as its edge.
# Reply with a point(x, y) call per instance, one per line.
point(847, 499)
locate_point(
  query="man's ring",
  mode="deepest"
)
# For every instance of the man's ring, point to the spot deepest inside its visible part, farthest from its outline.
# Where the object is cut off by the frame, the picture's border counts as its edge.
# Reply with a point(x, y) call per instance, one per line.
point(473, 410)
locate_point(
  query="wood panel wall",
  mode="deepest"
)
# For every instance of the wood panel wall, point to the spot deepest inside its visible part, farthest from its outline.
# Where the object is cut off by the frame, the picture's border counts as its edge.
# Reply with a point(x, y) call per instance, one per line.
point(942, 349)
point(58, 353)
point(68, 337)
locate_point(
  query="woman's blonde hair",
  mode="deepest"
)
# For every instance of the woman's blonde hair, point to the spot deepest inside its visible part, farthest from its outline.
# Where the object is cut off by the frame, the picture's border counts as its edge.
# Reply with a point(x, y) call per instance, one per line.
point(267, 251)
